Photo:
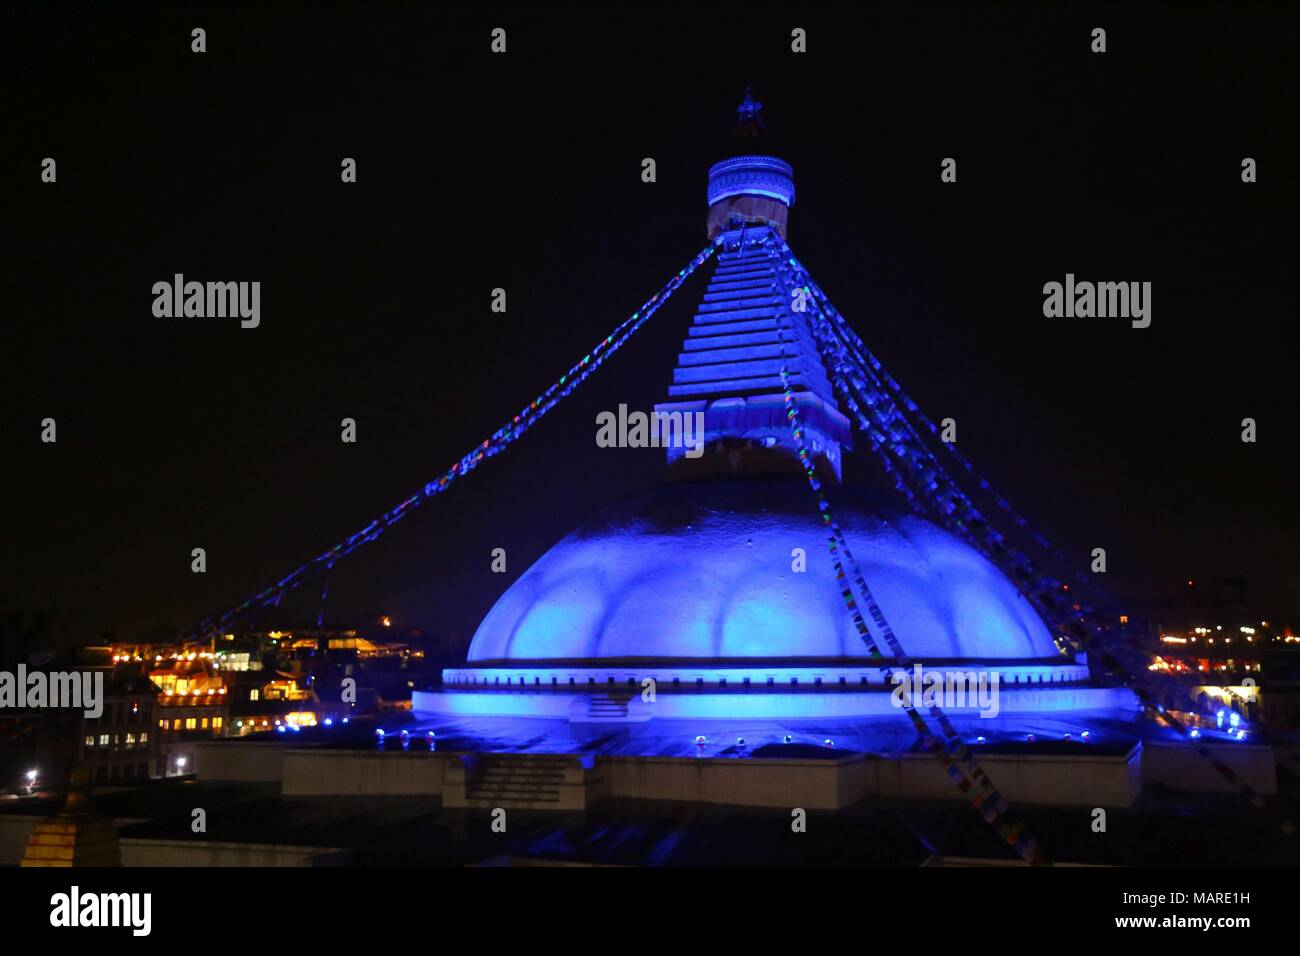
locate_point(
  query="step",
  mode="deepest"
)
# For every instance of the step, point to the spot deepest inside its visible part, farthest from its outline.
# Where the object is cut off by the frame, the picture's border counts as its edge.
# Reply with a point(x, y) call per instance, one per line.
point(744, 255)
point(515, 783)
point(770, 336)
point(717, 356)
point(770, 310)
point(539, 763)
point(527, 773)
point(719, 286)
point(771, 384)
point(777, 323)
point(512, 797)
point(728, 371)
point(735, 295)
point(752, 302)
point(745, 272)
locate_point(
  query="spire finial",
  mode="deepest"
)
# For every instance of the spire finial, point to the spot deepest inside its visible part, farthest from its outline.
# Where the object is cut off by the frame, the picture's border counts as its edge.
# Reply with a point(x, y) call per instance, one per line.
point(750, 110)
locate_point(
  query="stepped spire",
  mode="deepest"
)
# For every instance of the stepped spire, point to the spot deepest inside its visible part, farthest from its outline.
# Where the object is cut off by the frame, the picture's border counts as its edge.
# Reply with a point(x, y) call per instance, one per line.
point(753, 328)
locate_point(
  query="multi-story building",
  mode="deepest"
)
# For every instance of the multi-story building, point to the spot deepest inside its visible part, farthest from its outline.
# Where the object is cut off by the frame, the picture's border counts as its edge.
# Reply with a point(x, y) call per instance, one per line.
point(119, 746)
point(201, 714)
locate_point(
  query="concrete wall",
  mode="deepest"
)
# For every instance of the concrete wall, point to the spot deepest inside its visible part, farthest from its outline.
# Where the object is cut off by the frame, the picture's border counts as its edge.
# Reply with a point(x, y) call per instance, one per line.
point(811, 784)
point(322, 773)
point(1094, 781)
point(1077, 780)
point(1177, 766)
point(829, 785)
point(240, 760)
point(204, 853)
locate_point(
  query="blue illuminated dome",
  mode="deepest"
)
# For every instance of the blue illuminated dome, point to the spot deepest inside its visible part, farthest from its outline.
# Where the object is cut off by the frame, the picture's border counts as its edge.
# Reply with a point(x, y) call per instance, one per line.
point(705, 571)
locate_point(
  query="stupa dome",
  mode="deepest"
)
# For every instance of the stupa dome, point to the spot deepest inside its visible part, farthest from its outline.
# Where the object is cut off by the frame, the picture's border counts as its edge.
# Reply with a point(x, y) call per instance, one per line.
point(702, 570)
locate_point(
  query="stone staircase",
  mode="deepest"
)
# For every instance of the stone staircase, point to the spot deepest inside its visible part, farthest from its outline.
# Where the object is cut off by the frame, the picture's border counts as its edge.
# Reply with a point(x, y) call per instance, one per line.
point(521, 781)
point(608, 708)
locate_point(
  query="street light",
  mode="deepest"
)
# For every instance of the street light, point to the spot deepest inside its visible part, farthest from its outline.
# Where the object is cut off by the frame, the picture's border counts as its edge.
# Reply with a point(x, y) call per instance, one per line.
point(180, 764)
point(31, 780)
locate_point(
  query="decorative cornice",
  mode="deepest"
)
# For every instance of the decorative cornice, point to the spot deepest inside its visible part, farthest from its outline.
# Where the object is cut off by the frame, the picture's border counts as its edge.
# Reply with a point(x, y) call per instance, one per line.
point(751, 176)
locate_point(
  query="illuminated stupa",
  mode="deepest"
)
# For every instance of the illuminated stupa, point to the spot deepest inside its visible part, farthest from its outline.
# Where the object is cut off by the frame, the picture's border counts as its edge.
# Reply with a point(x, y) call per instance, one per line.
point(717, 585)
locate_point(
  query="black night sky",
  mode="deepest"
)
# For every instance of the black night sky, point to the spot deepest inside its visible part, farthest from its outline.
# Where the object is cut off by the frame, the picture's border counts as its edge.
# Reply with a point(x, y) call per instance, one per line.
point(523, 171)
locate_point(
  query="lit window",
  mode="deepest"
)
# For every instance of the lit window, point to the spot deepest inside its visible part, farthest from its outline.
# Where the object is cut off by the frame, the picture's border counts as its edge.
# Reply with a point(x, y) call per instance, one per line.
point(216, 723)
point(204, 723)
point(103, 740)
point(254, 694)
point(162, 725)
point(144, 737)
point(190, 723)
point(130, 741)
point(90, 741)
point(176, 724)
